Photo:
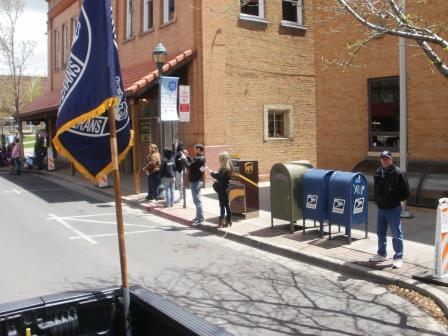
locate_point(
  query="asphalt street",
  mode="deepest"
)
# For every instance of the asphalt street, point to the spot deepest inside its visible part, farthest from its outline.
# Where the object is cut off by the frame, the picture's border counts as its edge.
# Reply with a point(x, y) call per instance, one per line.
point(56, 237)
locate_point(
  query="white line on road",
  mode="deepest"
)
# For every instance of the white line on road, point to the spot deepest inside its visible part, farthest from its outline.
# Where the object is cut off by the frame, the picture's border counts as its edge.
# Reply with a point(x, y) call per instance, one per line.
point(115, 234)
point(84, 216)
point(71, 228)
point(13, 191)
point(108, 223)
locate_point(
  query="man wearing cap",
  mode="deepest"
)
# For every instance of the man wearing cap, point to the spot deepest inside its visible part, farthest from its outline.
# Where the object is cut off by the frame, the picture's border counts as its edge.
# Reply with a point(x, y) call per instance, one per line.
point(391, 188)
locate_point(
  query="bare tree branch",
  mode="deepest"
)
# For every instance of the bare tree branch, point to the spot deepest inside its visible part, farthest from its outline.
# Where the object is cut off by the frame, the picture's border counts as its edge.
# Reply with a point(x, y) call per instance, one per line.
point(387, 17)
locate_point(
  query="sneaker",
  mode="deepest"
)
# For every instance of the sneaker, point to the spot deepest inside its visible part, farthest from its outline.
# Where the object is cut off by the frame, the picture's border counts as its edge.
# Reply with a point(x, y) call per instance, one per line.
point(397, 263)
point(194, 220)
point(179, 200)
point(377, 258)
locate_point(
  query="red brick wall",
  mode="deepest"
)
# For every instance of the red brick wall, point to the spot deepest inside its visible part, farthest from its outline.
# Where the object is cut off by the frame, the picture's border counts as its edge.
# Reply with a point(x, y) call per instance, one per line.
point(342, 95)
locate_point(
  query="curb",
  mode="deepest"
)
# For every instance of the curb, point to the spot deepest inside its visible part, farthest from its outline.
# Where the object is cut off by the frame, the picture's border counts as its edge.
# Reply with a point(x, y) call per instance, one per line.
point(359, 271)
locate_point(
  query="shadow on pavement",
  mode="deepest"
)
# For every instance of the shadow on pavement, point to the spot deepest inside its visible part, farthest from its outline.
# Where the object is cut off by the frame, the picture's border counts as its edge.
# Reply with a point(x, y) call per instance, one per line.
point(273, 302)
point(47, 191)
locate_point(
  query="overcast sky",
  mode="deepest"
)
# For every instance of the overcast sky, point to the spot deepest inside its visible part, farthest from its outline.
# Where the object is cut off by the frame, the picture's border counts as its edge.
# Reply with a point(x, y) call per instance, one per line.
point(33, 26)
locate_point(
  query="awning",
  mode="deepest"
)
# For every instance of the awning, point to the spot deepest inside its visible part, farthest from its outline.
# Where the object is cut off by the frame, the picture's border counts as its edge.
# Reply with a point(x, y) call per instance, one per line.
point(136, 78)
point(139, 83)
point(46, 103)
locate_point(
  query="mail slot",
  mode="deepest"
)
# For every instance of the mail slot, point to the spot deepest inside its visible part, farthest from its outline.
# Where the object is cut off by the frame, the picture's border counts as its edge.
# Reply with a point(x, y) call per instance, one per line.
point(244, 194)
point(348, 201)
point(315, 196)
point(286, 192)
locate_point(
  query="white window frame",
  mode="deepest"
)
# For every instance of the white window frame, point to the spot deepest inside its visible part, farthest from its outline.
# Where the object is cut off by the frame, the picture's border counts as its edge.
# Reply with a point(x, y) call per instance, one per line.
point(261, 13)
point(57, 49)
point(166, 11)
point(65, 43)
point(129, 18)
point(146, 4)
point(73, 27)
point(289, 124)
point(299, 22)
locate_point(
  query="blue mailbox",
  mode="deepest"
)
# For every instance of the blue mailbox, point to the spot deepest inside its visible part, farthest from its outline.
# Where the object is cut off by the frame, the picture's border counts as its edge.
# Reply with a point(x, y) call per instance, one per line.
point(315, 196)
point(348, 201)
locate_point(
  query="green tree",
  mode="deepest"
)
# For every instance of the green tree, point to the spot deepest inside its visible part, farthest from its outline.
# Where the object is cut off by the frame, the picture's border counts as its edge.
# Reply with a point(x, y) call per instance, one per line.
point(14, 57)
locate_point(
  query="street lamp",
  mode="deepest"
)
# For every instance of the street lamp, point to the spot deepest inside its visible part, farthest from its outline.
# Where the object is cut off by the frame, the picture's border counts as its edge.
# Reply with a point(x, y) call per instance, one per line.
point(159, 56)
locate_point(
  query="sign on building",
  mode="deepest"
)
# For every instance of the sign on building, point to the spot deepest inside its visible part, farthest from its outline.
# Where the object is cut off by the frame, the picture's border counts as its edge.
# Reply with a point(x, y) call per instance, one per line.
point(184, 103)
point(168, 98)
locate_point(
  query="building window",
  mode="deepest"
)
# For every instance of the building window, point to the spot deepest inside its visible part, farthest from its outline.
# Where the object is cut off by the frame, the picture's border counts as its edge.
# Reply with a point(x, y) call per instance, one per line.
point(147, 15)
point(57, 50)
point(168, 10)
point(129, 18)
point(292, 11)
point(73, 27)
point(65, 43)
point(254, 8)
point(277, 122)
point(384, 109)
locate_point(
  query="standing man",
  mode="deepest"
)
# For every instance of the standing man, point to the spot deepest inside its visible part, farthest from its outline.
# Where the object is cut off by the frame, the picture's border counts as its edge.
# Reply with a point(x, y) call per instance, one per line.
point(196, 168)
point(391, 188)
point(180, 165)
point(15, 155)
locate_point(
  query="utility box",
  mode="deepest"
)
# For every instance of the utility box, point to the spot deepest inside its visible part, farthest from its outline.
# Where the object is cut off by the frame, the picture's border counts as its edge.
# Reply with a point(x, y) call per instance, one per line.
point(286, 192)
point(315, 196)
point(244, 195)
point(348, 201)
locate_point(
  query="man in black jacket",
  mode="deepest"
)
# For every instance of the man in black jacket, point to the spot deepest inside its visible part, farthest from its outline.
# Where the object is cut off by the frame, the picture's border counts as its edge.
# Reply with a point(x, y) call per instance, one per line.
point(196, 168)
point(391, 188)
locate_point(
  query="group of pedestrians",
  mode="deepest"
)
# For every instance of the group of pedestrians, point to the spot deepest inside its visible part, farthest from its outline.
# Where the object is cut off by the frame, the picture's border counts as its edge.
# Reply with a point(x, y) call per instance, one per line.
point(10, 154)
point(169, 169)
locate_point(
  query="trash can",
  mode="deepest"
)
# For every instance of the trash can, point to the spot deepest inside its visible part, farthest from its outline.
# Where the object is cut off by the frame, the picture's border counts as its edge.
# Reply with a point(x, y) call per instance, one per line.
point(244, 194)
point(286, 192)
point(348, 201)
point(315, 196)
point(302, 162)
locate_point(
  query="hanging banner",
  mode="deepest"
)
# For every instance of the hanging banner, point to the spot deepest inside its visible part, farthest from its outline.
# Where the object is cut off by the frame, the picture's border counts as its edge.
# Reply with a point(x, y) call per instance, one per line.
point(168, 98)
point(184, 103)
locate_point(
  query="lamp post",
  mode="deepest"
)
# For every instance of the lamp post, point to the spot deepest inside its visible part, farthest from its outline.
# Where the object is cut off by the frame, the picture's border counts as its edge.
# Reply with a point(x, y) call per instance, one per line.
point(159, 56)
point(403, 110)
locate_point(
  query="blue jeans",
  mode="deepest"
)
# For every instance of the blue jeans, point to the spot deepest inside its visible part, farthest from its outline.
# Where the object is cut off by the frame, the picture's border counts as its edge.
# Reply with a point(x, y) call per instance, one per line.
point(196, 194)
point(391, 218)
point(168, 185)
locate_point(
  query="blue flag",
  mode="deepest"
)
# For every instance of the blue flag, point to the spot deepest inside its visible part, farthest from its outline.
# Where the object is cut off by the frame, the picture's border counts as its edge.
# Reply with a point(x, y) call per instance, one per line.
point(92, 84)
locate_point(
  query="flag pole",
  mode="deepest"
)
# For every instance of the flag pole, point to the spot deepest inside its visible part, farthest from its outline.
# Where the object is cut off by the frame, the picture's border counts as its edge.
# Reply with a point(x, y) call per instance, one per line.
point(119, 214)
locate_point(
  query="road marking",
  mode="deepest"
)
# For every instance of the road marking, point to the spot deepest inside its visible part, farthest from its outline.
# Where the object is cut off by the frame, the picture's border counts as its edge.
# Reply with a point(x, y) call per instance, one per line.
point(115, 234)
point(71, 228)
point(85, 216)
point(13, 191)
point(108, 223)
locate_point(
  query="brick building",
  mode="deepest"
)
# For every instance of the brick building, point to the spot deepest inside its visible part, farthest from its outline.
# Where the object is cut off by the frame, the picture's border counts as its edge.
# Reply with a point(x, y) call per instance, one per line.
point(258, 87)
point(251, 70)
point(358, 109)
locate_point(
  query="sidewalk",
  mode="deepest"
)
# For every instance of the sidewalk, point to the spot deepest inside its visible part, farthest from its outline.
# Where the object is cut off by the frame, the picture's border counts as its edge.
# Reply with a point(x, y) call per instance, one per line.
point(309, 247)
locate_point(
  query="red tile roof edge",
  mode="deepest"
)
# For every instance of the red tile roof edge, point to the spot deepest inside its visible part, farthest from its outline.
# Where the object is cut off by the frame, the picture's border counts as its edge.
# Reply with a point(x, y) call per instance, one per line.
point(50, 100)
point(153, 75)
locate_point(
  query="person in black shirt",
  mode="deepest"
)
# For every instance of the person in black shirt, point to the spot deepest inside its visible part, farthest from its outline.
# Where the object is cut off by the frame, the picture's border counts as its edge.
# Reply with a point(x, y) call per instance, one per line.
point(222, 187)
point(167, 171)
point(180, 165)
point(196, 168)
point(391, 188)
